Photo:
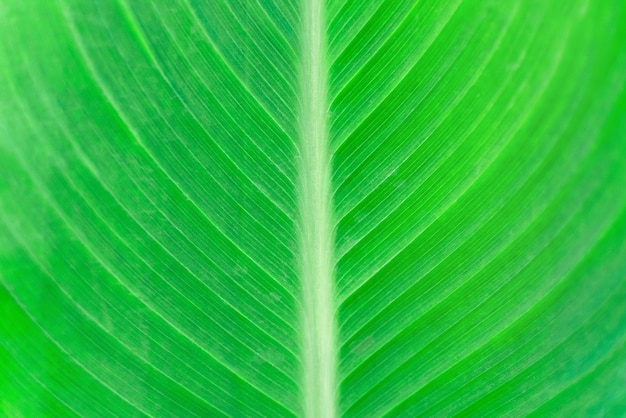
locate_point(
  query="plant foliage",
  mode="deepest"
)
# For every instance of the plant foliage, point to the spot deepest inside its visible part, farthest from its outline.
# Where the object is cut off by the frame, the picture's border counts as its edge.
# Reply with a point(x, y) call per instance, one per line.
point(305, 208)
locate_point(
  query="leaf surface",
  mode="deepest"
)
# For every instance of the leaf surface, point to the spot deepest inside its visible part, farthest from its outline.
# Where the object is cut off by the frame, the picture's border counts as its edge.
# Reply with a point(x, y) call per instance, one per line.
point(306, 208)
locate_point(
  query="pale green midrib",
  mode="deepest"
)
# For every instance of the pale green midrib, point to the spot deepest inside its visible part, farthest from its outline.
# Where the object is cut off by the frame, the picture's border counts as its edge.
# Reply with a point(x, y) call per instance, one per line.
point(316, 239)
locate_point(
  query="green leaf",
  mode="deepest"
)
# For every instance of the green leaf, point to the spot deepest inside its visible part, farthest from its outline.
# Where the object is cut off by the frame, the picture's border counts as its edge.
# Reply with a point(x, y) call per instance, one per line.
point(306, 208)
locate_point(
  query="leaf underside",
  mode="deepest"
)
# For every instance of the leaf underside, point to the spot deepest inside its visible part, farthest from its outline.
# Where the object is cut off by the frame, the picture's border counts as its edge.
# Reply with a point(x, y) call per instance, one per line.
point(306, 208)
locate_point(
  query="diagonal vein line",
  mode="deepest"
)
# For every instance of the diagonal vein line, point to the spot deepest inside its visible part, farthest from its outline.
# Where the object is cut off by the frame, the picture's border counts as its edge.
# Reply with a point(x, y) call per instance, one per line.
point(589, 372)
point(122, 283)
point(62, 217)
point(24, 368)
point(383, 45)
point(571, 335)
point(466, 134)
point(158, 243)
point(528, 311)
point(275, 55)
point(59, 345)
point(520, 122)
point(130, 128)
point(232, 117)
point(143, 42)
point(579, 210)
point(579, 260)
point(350, 36)
point(232, 71)
point(113, 102)
point(337, 54)
point(225, 61)
point(87, 163)
point(459, 96)
point(536, 217)
point(276, 26)
point(619, 83)
point(84, 242)
point(47, 199)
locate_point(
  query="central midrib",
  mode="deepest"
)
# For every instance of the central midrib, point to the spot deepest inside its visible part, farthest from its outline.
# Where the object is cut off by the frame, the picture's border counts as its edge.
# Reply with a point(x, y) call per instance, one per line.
point(316, 243)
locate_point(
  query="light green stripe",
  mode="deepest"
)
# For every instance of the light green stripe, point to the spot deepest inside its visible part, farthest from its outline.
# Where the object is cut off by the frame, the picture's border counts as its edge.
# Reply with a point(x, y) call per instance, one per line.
point(316, 251)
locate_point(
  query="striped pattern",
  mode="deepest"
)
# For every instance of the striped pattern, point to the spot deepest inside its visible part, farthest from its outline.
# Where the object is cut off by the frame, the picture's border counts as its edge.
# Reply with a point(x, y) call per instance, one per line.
point(151, 207)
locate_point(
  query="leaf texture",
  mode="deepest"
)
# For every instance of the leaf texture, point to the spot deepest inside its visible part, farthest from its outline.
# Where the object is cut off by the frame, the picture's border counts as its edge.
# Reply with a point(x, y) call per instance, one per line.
point(305, 208)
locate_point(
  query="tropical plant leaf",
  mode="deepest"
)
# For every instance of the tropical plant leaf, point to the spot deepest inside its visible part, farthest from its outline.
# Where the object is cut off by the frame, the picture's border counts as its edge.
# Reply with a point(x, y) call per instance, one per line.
point(308, 208)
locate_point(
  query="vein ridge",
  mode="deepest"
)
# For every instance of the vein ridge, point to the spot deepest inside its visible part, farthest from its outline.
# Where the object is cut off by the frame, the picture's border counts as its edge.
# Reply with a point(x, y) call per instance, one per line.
point(316, 224)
